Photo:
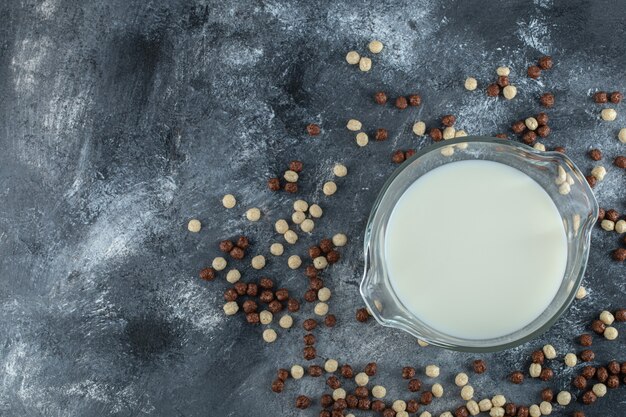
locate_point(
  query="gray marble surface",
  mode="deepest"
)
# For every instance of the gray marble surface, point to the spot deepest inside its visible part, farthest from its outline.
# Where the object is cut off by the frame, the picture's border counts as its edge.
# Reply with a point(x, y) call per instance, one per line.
point(121, 120)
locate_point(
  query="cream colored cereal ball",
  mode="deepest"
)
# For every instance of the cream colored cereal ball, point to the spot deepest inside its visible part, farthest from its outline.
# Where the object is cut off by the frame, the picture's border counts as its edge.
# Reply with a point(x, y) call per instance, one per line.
point(461, 379)
point(448, 133)
point(362, 139)
point(339, 394)
point(447, 151)
point(281, 226)
point(610, 333)
point(446, 414)
point(540, 147)
point(323, 294)
point(581, 293)
point(509, 92)
point(426, 414)
point(231, 308)
point(471, 83)
point(253, 214)
point(432, 371)
point(398, 405)
point(375, 46)
point(321, 309)
point(331, 365)
point(361, 379)
point(379, 391)
point(531, 123)
point(545, 408)
point(437, 390)
point(315, 211)
point(294, 262)
point(467, 392)
point(422, 343)
point(620, 226)
point(219, 263)
point(599, 390)
point(229, 201)
point(265, 317)
point(534, 411)
point(563, 398)
point(340, 170)
point(233, 276)
point(339, 239)
point(498, 400)
point(621, 136)
point(565, 188)
point(300, 205)
point(460, 134)
point(484, 405)
point(329, 188)
point(472, 407)
point(570, 359)
point(269, 335)
point(194, 225)
point(307, 225)
point(496, 412)
point(534, 370)
point(297, 371)
point(503, 71)
point(290, 237)
point(298, 217)
point(354, 125)
point(607, 318)
point(320, 262)
point(258, 262)
point(549, 352)
point(286, 321)
point(365, 64)
point(608, 114)
point(419, 128)
point(353, 57)
point(290, 176)
point(607, 225)
point(599, 172)
point(277, 249)
point(402, 414)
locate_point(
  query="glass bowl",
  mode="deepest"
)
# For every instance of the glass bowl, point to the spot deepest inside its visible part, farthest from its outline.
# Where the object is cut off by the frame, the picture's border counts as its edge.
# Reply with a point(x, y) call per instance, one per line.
point(554, 171)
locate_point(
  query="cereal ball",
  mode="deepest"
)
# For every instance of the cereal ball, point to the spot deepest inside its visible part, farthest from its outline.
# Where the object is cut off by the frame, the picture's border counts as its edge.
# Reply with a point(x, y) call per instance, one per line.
point(485, 405)
point(531, 123)
point(362, 139)
point(323, 294)
point(219, 263)
point(607, 318)
point(339, 394)
point(277, 249)
point(353, 57)
point(471, 83)
point(290, 176)
point(300, 205)
point(447, 151)
point(621, 136)
point(404, 414)
point(290, 237)
point(285, 321)
point(610, 333)
point(448, 133)
point(297, 372)
point(426, 414)
point(545, 408)
point(229, 201)
point(467, 392)
point(331, 365)
point(509, 92)
point(320, 262)
point(460, 134)
point(498, 400)
point(379, 391)
point(581, 293)
point(266, 317)
point(607, 225)
point(503, 71)
point(315, 211)
point(563, 398)
point(253, 214)
point(321, 309)
point(549, 351)
point(599, 390)
point(540, 146)
point(620, 226)
point(419, 128)
point(294, 262)
point(340, 170)
point(354, 125)
point(534, 411)
point(496, 412)
point(398, 405)
point(281, 226)
point(422, 343)
point(365, 64)
point(472, 407)
point(534, 370)
point(340, 240)
point(329, 188)
point(307, 225)
point(608, 114)
point(432, 371)
point(437, 390)
point(599, 172)
point(375, 46)
point(231, 308)
point(570, 359)
point(461, 379)
point(233, 276)
point(361, 379)
point(564, 188)
point(194, 226)
point(258, 262)
point(269, 335)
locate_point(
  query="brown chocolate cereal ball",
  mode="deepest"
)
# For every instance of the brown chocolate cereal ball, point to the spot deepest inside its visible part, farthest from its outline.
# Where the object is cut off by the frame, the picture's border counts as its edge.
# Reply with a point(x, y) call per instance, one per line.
point(242, 242)
point(378, 405)
point(612, 381)
point(598, 327)
point(273, 184)
point(412, 406)
point(278, 385)
point(364, 404)
point(296, 166)
point(591, 180)
point(326, 245)
point(543, 131)
point(588, 372)
point(361, 392)
point(415, 385)
point(415, 100)
point(547, 100)
point(462, 411)
point(613, 367)
point(619, 255)
point(313, 130)
point(585, 340)
point(522, 411)
point(589, 398)
point(435, 134)
point(207, 274)
point(309, 353)
point(397, 157)
point(333, 382)
point(302, 402)
point(330, 320)
point(326, 400)
point(560, 149)
point(316, 284)
point(620, 161)
point(333, 257)
point(380, 97)
point(533, 71)
point(587, 355)
point(362, 315)
point(542, 119)
point(602, 374)
point(310, 296)
point(493, 90)
point(600, 97)
point(237, 253)
point(546, 374)
point(408, 372)
point(616, 97)
point(325, 413)
point(538, 357)
point(579, 382)
point(340, 404)
point(518, 127)
point(381, 134)
point(291, 187)
point(547, 394)
point(503, 81)
point(401, 103)
point(448, 120)
point(545, 62)
point(249, 306)
point(293, 305)
point(230, 294)
point(309, 324)
point(315, 371)
point(266, 283)
point(266, 296)
point(479, 366)
point(612, 215)
point(370, 369)
point(620, 315)
point(510, 409)
point(252, 289)
point(226, 246)
point(310, 271)
point(426, 398)
point(529, 137)
point(409, 153)
point(389, 412)
point(253, 318)
point(314, 252)
point(517, 377)
point(595, 154)
point(282, 374)
point(352, 401)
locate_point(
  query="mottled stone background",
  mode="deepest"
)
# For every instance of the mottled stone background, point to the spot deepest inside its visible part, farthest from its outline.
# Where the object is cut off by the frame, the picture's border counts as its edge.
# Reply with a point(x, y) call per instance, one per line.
point(120, 120)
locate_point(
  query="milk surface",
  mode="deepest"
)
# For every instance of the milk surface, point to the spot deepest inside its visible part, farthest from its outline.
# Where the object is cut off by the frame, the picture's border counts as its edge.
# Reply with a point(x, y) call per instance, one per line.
point(475, 249)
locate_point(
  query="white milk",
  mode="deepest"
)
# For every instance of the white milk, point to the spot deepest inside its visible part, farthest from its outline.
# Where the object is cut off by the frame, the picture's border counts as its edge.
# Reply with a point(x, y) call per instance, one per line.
point(475, 249)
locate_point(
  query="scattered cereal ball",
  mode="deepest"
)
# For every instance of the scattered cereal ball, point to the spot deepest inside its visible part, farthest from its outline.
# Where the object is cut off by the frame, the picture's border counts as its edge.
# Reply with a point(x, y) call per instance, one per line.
point(269, 335)
point(531, 123)
point(498, 400)
point(315, 211)
point(298, 217)
point(297, 372)
point(448, 133)
point(563, 398)
point(405, 414)
point(253, 214)
point(362, 139)
point(329, 188)
point(599, 172)
point(233, 276)
point(419, 128)
point(581, 293)
point(432, 371)
point(534, 370)
point(549, 352)
point(231, 308)
point(219, 263)
point(194, 225)
point(570, 359)
point(461, 379)
point(300, 205)
point(375, 46)
point(290, 237)
point(265, 317)
point(277, 249)
point(340, 240)
point(353, 57)
point(340, 170)
point(361, 379)
point(422, 343)
point(608, 114)
point(509, 92)
point(281, 226)
point(258, 262)
point(294, 262)
point(540, 147)
point(460, 134)
point(471, 83)
point(610, 333)
point(607, 318)
point(365, 64)
point(467, 392)
point(599, 390)
point(545, 408)
point(620, 226)
point(564, 188)
point(354, 125)
point(331, 365)
point(607, 225)
point(286, 321)
point(437, 390)
point(339, 393)
point(426, 414)
point(398, 405)
point(307, 225)
point(323, 294)
point(503, 71)
point(472, 407)
point(379, 391)
point(621, 136)
point(321, 309)
point(229, 201)
point(534, 411)
point(290, 176)
point(496, 412)
point(320, 262)
point(484, 405)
